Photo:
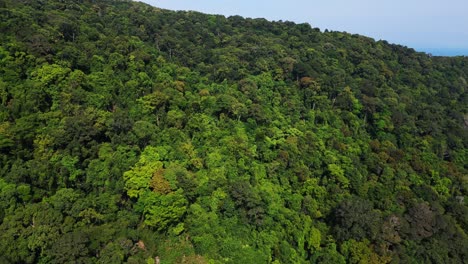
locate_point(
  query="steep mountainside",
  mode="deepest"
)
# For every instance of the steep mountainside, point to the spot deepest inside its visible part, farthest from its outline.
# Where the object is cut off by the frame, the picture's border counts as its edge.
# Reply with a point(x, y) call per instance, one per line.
point(130, 133)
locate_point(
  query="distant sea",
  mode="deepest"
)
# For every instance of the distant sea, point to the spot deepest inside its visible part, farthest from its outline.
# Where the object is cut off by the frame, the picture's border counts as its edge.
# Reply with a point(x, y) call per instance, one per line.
point(444, 52)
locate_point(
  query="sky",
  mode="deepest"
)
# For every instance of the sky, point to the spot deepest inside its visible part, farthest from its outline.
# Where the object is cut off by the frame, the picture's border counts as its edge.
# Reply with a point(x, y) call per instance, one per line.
point(439, 27)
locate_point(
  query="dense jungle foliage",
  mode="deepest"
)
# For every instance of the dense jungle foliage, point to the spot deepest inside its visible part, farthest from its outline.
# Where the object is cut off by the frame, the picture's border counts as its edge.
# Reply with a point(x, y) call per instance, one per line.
point(132, 134)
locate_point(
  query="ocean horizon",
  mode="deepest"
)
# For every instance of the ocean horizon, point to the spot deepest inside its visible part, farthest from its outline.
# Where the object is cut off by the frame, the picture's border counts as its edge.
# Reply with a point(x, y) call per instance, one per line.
point(445, 51)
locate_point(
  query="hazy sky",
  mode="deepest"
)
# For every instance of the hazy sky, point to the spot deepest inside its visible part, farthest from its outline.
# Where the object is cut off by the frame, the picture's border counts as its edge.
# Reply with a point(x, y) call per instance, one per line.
point(436, 26)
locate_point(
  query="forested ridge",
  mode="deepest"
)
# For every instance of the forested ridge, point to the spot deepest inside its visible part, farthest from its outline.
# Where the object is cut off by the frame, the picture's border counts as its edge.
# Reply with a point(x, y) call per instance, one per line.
point(132, 134)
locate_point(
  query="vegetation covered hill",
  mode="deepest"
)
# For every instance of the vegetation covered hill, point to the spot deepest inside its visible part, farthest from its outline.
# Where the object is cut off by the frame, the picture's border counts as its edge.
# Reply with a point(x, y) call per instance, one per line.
point(130, 133)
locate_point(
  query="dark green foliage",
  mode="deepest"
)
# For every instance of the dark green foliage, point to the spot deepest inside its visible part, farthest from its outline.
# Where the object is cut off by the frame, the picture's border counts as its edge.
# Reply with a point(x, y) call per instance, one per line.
point(355, 218)
point(130, 133)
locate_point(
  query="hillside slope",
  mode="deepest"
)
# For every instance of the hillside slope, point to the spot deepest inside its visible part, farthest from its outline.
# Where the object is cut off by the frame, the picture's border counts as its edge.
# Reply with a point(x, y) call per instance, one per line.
point(130, 133)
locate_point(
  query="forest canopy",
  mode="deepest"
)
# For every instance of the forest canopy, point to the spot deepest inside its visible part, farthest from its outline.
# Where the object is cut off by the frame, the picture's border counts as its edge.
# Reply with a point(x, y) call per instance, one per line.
point(133, 134)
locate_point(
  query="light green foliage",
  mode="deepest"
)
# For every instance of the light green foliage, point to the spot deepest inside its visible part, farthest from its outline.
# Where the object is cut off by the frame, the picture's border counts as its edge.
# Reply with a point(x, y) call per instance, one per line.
point(50, 74)
point(314, 239)
point(137, 179)
point(161, 211)
point(175, 118)
point(441, 184)
point(359, 252)
point(69, 163)
point(337, 173)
